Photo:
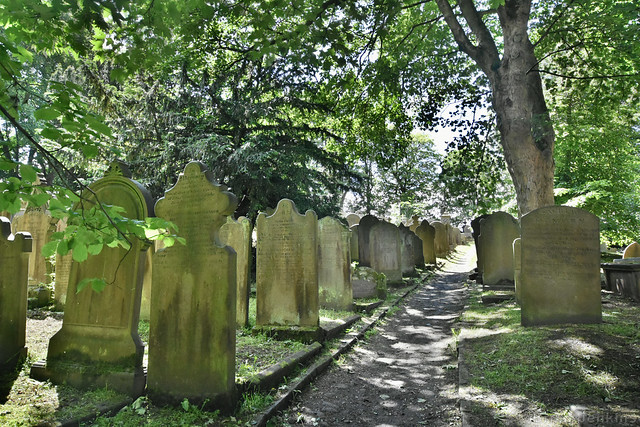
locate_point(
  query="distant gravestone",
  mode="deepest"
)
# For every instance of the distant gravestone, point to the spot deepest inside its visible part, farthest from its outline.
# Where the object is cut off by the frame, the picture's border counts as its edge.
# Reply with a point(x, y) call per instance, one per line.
point(632, 251)
point(367, 283)
point(353, 219)
point(560, 267)
point(418, 253)
point(40, 225)
point(499, 230)
point(14, 260)
point(237, 234)
point(441, 239)
point(385, 251)
point(287, 268)
point(517, 267)
point(334, 265)
point(99, 345)
point(364, 227)
point(476, 226)
point(414, 223)
point(407, 251)
point(427, 233)
point(355, 245)
point(193, 301)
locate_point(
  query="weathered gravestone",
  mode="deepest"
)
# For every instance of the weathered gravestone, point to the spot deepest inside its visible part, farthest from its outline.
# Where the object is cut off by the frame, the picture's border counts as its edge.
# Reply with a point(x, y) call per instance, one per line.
point(237, 234)
point(38, 223)
point(440, 239)
point(364, 228)
point(476, 225)
point(62, 271)
point(367, 283)
point(407, 251)
point(334, 264)
point(418, 253)
point(385, 251)
point(14, 266)
point(517, 267)
point(287, 269)
point(147, 282)
point(414, 223)
point(427, 234)
point(632, 251)
point(192, 337)
point(355, 245)
point(99, 345)
point(560, 267)
point(499, 230)
point(353, 219)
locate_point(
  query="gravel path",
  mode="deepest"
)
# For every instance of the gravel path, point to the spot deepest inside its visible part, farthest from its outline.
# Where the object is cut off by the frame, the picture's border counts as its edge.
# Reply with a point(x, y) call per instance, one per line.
point(404, 375)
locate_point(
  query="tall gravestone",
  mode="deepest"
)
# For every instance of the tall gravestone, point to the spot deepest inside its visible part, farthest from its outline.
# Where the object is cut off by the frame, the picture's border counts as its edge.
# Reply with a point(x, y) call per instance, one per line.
point(353, 219)
point(237, 234)
point(440, 239)
point(418, 252)
point(560, 266)
point(386, 252)
point(355, 244)
point(99, 345)
point(193, 300)
point(62, 271)
point(426, 232)
point(147, 283)
point(39, 224)
point(364, 227)
point(14, 266)
point(287, 268)
point(476, 225)
point(517, 267)
point(334, 265)
point(632, 251)
point(407, 251)
point(499, 230)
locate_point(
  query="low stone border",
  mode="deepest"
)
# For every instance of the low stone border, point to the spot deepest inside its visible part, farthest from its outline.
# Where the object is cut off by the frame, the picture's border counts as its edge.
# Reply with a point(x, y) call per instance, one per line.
point(320, 366)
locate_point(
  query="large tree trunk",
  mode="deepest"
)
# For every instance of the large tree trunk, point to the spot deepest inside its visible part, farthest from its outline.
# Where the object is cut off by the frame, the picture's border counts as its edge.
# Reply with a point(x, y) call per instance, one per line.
point(523, 120)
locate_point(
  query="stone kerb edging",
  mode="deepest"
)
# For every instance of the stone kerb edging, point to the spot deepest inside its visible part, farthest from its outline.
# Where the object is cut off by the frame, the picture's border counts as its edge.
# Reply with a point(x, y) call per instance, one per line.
point(317, 368)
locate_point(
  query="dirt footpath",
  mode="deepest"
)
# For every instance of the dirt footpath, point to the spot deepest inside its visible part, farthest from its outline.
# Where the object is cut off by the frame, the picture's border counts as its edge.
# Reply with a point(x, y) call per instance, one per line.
point(406, 373)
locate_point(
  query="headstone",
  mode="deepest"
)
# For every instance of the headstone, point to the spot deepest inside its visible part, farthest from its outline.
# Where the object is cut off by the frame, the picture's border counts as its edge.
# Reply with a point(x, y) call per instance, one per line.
point(441, 239)
point(445, 219)
point(40, 225)
point(355, 245)
point(407, 251)
point(334, 265)
point(14, 266)
point(517, 267)
point(192, 335)
point(367, 283)
point(62, 271)
point(364, 227)
point(99, 345)
point(415, 223)
point(418, 252)
point(147, 283)
point(353, 219)
point(427, 233)
point(287, 268)
point(499, 230)
point(560, 267)
point(385, 251)
point(237, 234)
point(477, 227)
point(631, 251)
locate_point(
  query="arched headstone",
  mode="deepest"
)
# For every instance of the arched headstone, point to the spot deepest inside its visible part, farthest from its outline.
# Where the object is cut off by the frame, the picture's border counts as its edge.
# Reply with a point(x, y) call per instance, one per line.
point(632, 251)
point(364, 227)
point(426, 232)
point(499, 230)
point(334, 264)
point(385, 250)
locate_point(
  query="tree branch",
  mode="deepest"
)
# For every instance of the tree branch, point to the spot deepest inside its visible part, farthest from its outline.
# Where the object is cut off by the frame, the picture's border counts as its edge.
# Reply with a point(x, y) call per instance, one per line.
point(599, 77)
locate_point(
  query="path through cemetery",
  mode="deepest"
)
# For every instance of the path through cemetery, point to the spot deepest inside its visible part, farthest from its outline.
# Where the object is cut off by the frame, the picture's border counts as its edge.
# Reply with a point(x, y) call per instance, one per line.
point(405, 374)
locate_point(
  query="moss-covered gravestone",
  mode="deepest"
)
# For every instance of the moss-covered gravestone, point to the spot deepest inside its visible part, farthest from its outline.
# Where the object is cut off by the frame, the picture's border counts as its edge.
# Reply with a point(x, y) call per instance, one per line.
point(39, 224)
point(476, 225)
point(408, 251)
point(440, 239)
point(355, 243)
point(334, 264)
point(14, 263)
point(517, 267)
point(364, 228)
point(560, 266)
point(385, 251)
point(427, 233)
point(237, 234)
point(499, 230)
point(192, 339)
point(98, 345)
point(287, 269)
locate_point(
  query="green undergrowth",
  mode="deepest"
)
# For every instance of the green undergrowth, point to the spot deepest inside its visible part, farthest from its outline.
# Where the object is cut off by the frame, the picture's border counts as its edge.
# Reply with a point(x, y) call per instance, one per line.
point(553, 367)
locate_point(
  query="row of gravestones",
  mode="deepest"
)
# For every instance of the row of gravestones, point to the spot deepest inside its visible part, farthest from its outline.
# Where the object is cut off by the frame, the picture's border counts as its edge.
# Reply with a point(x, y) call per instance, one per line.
point(622, 276)
point(193, 299)
point(551, 259)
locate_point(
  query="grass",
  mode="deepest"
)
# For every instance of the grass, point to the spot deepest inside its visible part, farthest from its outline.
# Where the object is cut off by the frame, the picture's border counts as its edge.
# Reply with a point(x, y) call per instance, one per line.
point(552, 367)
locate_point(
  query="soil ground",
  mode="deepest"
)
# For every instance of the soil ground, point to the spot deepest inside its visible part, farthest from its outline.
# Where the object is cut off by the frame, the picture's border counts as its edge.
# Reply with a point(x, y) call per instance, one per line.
point(406, 373)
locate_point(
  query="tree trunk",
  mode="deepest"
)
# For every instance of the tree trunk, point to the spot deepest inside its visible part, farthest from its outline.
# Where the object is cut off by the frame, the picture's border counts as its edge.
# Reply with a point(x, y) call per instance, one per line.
point(523, 119)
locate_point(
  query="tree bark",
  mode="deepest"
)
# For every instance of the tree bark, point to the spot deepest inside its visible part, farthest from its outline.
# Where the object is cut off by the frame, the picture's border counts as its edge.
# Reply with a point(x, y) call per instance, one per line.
point(526, 132)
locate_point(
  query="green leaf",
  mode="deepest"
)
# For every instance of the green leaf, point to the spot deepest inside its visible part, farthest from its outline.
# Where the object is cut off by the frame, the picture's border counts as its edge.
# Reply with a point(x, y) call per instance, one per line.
point(28, 173)
point(46, 113)
point(49, 249)
point(51, 133)
point(95, 249)
point(79, 252)
point(7, 165)
point(40, 199)
point(90, 151)
point(98, 285)
point(63, 247)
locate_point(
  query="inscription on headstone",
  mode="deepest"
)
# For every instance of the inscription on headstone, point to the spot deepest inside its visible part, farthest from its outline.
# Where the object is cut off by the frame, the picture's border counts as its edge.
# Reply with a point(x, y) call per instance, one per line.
point(385, 251)
point(499, 230)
